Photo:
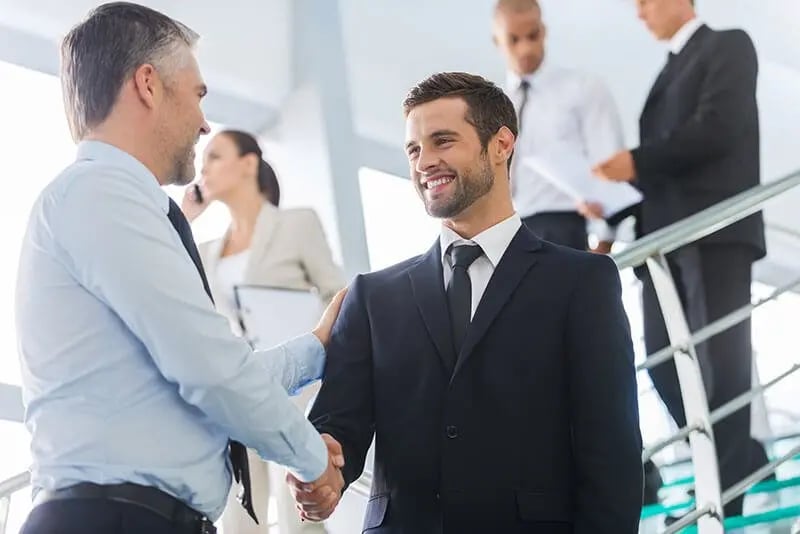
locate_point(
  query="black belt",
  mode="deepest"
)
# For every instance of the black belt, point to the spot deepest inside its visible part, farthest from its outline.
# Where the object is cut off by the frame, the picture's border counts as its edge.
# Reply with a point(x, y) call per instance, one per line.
point(152, 499)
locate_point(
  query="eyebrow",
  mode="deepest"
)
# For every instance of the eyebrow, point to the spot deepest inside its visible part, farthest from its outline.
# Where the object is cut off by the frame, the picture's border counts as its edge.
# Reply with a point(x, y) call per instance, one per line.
point(435, 135)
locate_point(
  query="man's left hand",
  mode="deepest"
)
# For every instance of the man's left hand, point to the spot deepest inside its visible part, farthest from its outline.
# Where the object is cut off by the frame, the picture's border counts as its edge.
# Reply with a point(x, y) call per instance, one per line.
point(619, 168)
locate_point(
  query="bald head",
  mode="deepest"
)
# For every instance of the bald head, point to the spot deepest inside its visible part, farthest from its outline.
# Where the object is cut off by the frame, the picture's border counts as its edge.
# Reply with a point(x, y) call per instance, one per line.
point(515, 6)
point(519, 34)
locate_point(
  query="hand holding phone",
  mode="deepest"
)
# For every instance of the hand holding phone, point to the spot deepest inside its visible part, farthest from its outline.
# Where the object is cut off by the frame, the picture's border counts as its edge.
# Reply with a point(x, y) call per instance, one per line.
point(195, 201)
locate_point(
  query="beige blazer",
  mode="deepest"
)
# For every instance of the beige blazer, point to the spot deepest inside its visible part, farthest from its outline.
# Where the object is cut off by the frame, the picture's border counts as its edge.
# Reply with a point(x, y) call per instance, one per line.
point(289, 250)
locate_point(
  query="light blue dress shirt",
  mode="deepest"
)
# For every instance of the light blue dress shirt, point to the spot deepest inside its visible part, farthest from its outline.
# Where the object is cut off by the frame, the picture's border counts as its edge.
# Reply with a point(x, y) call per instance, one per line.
point(128, 372)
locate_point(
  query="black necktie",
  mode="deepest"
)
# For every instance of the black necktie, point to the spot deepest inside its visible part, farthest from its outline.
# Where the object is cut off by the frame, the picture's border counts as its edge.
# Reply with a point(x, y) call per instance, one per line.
point(524, 85)
point(459, 291)
point(236, 451)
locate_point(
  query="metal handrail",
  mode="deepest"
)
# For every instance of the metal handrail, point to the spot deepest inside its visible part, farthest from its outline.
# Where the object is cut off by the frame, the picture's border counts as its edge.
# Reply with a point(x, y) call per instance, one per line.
point(652, 250)
point(734, 491)
point(740, 487)
point(720, 325)
point(704, 223)
point(12, 485)
point(719, 414)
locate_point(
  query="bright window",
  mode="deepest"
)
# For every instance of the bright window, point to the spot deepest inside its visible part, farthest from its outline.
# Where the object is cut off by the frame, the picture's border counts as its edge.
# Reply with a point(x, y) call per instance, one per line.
point(396, 224)
point(37, 145)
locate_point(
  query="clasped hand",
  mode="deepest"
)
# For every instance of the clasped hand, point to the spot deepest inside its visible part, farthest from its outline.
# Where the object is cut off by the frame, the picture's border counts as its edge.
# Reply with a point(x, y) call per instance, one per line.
point(317, 500)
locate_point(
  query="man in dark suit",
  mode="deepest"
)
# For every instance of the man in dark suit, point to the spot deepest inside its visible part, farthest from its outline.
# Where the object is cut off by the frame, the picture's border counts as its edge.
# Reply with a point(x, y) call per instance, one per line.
point(495, 370)
point(700, 145)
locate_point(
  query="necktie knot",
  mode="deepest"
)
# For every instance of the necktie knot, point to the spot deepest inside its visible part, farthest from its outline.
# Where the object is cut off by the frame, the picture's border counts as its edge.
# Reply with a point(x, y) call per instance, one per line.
point(464, 255)
point(524, 85)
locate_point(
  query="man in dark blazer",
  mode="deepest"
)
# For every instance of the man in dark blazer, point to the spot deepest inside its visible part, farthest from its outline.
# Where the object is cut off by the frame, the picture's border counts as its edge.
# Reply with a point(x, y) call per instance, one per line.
point(495, 370)
point(700, 145)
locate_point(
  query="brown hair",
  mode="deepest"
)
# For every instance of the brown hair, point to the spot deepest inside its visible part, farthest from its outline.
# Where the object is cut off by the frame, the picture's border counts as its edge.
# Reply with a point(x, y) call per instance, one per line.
point(488, 107)
point(267, 179)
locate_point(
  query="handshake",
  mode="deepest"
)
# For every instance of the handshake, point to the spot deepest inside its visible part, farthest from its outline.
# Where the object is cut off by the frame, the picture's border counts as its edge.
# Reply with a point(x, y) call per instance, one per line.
point(317, 500)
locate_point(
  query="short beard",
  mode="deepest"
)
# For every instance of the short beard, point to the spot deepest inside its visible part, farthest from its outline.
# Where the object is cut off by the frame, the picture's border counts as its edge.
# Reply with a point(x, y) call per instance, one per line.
point(470, 186)
point(183, 166)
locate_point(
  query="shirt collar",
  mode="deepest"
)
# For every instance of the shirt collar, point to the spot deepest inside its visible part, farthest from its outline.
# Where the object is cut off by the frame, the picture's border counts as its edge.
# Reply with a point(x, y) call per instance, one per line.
point(683, 35)
point(513, 79)
point(493, 241)
point(111, 155)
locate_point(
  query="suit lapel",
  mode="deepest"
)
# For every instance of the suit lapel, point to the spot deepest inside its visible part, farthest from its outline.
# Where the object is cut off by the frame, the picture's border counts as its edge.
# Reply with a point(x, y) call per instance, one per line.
point(427, 286)
point(672, 68)
point(266, 226)
point(518, 259)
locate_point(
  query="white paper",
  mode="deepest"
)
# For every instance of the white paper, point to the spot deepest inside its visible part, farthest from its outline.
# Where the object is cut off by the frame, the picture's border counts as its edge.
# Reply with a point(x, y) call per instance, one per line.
point(571, 173)
point(271, 315)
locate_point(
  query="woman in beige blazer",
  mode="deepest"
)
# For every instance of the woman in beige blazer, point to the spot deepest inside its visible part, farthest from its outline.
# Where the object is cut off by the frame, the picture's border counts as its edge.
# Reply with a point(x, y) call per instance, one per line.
point(264, 245)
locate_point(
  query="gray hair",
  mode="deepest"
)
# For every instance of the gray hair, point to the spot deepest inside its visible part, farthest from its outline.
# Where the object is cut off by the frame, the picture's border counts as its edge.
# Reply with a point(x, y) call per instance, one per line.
point(99, 54)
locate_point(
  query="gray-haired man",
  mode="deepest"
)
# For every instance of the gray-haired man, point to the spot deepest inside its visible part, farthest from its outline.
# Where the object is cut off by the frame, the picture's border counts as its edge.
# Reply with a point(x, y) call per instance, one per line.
point(139, 399)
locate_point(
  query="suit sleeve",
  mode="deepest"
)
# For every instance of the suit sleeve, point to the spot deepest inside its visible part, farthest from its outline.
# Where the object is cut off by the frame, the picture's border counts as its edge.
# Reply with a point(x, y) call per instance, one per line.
point(344, 405)
point(604, 405)
point(725, 110)
point(322, 271)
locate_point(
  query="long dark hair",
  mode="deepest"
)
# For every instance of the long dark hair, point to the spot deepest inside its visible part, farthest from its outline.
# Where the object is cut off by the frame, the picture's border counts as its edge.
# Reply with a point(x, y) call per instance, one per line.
point(267, 179)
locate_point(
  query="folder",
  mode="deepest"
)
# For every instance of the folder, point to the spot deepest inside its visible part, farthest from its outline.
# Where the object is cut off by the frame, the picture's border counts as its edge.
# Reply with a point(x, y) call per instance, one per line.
point(270, 316)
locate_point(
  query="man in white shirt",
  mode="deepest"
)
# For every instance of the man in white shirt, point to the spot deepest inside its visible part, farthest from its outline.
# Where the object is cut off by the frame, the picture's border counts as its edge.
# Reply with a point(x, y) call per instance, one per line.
point(565, 117)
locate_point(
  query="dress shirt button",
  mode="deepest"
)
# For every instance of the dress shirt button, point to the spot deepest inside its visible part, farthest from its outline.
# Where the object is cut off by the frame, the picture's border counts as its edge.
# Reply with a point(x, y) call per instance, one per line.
point(452, 432)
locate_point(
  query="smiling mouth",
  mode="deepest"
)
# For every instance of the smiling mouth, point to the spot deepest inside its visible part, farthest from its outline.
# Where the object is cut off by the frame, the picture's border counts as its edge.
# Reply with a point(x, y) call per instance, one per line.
point(438, 182)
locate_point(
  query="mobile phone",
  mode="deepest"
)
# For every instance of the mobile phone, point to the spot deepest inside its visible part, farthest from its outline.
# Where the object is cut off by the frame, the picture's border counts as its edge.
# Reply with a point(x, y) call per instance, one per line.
point(198, 194)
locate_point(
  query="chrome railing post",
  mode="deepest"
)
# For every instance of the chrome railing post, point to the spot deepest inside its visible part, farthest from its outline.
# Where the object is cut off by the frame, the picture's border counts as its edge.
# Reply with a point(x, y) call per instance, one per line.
point(5, 504)
point(708, 493)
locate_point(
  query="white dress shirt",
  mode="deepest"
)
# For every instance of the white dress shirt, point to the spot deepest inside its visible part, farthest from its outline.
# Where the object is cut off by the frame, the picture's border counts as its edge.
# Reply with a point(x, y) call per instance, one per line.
point(128, 373)
point(566, 112)
point(230, 273)
point(493, 241)
point(683, 35)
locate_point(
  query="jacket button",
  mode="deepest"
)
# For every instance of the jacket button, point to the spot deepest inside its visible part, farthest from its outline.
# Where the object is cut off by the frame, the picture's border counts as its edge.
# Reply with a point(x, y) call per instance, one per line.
point(452, 432)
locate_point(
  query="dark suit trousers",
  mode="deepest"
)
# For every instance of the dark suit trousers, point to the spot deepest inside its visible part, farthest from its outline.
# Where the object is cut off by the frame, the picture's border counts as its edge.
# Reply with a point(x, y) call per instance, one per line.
point(712, 281)
point(76, 516)
point(567, 228)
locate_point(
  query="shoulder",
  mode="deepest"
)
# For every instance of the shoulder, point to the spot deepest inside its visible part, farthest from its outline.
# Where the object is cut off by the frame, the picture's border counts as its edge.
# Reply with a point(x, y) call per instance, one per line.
point(576, 266)
point(397, 271)
point(575, 77)
point(94, 190)
point(298, 216)
point(389, 279)
point(733, 40)
point(582, 85)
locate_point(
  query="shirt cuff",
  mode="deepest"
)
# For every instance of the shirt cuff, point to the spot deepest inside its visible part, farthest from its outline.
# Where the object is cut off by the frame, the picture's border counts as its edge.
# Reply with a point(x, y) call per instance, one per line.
point(316, 458)
point(602, 230)
point(308, 354)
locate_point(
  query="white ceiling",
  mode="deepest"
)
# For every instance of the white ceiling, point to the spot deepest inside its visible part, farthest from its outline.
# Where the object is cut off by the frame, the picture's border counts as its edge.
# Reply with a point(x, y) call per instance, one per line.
point(246, 53)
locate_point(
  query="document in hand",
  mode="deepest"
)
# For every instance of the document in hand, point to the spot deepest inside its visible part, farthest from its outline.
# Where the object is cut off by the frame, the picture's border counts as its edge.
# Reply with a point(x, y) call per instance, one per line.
point(570, 172)
point(272, 315)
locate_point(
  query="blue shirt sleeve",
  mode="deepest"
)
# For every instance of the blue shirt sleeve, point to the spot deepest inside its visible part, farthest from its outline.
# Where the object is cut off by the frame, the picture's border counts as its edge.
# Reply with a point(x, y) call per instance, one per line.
point(120, 245)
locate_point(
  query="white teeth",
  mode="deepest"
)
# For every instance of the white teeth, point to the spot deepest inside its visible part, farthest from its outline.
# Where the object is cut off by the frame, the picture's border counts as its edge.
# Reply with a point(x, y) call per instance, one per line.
point(437, 183)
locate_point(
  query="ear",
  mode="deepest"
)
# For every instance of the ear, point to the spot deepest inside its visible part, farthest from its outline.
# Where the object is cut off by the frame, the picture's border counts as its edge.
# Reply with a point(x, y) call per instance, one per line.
point(251, 163)
point(147, 83)
point(503, 145)
point(494, 39)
